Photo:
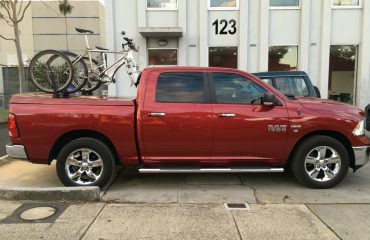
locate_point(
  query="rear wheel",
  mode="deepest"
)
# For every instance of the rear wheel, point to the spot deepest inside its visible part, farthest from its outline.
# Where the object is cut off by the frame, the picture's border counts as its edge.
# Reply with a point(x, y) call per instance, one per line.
point(48, 67)
point(320, 162)
point(85, 162)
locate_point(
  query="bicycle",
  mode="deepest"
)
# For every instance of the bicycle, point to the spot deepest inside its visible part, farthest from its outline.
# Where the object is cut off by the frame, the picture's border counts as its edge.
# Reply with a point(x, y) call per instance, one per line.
point(87, 74)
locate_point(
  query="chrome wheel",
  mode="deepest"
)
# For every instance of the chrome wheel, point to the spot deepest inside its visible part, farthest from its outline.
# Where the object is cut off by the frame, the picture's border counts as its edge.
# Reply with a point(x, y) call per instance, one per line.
point(84, 166)
point(322, 163)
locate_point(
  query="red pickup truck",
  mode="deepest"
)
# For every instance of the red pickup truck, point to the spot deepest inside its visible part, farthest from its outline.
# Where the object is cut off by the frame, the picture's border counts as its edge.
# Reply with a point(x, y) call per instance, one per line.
point(191, 119)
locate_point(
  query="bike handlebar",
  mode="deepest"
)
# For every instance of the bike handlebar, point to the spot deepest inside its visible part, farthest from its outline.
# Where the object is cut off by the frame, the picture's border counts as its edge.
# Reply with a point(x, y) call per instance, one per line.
point(130, 44)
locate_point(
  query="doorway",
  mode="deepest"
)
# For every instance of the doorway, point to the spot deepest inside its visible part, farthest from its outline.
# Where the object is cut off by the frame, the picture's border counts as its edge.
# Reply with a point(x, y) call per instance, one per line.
point(342, 73)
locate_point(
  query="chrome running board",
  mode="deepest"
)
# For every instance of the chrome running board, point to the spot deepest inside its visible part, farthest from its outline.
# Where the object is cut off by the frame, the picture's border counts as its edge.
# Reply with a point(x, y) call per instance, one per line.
point(211, 170)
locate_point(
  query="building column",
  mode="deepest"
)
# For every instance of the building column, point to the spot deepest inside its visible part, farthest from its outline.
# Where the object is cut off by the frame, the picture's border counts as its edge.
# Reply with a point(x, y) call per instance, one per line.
point(183, 41)
point(303, 52)
point(243, 35)
point(264, 19)
point(110, 39)
point(363, 69)
point(141, 22)
point(203, 33)
point(325, 48)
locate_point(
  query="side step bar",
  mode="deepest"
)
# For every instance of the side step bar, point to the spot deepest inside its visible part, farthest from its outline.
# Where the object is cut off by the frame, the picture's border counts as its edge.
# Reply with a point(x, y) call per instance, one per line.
point(210, 170)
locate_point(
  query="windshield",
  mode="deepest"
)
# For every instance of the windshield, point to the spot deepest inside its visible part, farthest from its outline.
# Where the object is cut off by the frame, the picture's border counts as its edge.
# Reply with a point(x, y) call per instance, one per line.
point(295, 86)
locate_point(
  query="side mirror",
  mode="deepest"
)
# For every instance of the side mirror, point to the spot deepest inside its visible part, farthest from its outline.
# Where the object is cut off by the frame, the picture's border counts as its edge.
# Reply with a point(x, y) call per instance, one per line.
point(317, 91)
point(269, 99)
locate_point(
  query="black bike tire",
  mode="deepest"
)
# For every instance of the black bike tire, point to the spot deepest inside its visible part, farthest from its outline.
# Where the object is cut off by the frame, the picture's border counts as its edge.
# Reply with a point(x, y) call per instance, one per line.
point(78, 87)
point(34, 81)
point(86, 89)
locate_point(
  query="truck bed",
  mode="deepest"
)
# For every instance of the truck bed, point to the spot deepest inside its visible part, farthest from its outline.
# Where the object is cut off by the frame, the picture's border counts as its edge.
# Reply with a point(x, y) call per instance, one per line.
point(44, 122)
point(47, 99)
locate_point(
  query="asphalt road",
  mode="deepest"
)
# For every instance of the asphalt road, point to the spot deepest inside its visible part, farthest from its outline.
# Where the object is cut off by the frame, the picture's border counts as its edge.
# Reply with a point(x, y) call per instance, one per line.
point(4, 138)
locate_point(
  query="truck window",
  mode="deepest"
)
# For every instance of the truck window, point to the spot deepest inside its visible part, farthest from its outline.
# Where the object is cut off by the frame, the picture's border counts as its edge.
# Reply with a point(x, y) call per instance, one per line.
point(268, 81)
point(292, 85)
point(236, 89)
point(180, 87)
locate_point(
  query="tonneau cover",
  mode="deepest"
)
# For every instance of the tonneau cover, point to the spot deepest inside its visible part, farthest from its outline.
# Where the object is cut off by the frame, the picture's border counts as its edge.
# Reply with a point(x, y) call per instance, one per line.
point(47, 99)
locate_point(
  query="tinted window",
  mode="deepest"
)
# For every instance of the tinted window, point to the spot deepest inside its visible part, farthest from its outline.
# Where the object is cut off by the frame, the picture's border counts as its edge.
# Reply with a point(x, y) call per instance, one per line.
point(267, 81)
point(180, 88)
point(292, 86)
point(234, 88)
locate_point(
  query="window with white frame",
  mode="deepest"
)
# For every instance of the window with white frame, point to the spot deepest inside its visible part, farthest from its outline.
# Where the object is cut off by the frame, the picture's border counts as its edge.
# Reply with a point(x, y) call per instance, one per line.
point(162, 56)
point(346, 3)
point(284, 3)
point(223, 4)
point(161, 4)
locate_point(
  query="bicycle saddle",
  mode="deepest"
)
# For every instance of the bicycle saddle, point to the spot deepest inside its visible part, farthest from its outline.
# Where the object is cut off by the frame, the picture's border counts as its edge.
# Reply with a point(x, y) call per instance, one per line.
point(81, 30)
point(101, 48)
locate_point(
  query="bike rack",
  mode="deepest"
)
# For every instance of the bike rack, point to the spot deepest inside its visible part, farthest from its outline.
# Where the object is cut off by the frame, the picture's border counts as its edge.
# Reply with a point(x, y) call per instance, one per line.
point(57, 94)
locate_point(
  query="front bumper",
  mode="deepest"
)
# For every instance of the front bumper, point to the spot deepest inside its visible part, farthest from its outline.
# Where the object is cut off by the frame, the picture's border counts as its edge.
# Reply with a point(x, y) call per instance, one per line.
point(362, 156)
point(16, 151)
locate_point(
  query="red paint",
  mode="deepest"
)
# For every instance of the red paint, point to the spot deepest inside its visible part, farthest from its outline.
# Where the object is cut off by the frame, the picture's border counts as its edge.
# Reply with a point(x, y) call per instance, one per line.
point(192, 134)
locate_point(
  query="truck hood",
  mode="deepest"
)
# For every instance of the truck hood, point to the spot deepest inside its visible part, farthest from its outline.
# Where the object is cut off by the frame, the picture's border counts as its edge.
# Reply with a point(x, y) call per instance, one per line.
point(331, 107)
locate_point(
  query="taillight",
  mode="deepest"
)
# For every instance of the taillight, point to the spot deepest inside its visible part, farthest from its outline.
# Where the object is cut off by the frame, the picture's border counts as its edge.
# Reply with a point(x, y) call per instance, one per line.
point(12, 126)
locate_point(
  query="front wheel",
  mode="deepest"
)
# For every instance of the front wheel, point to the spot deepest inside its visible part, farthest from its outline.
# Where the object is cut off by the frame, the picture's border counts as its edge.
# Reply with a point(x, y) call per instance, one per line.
point(51, 67)
point(85, 162)
point(320, 162)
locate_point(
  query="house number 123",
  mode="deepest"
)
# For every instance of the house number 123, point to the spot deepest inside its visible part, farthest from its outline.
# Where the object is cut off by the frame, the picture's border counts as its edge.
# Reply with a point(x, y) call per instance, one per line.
point(226, 27)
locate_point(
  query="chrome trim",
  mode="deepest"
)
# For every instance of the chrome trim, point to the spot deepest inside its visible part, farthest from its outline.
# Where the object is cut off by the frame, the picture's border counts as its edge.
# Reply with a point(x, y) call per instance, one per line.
point(156, 114)
point(226, 115)
point(210, 170)
point(16, 151)
point(362, 155)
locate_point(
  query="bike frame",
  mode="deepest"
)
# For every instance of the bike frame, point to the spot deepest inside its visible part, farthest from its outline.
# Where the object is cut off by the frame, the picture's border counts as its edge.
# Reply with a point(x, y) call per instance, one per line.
point(108, 70)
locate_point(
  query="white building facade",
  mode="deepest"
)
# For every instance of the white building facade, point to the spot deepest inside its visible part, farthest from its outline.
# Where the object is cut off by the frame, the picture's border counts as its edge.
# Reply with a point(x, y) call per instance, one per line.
point(329, 39)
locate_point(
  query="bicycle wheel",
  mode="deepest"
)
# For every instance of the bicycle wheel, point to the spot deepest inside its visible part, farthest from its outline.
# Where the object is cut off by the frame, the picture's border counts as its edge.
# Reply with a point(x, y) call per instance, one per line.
point(51, 66)
point(93, 82)
point(80, 72)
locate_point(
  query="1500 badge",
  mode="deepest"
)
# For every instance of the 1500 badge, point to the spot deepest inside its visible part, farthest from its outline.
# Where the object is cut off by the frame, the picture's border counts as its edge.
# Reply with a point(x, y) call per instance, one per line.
point(276, 128)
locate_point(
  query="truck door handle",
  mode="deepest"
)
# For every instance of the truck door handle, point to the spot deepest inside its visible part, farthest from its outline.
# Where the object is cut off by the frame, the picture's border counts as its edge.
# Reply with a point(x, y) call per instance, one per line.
point(156, 114)
point(226, 115)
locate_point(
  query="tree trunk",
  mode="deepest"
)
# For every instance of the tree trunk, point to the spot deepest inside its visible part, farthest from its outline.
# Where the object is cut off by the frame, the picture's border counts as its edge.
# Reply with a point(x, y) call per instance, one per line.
point(21, 71)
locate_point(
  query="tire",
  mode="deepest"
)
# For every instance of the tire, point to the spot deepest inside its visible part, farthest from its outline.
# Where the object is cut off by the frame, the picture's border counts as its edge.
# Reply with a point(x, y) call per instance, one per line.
point(74, 170)
point(93, 82)
point(80, 73)
point(315, 171)
point(50, 65)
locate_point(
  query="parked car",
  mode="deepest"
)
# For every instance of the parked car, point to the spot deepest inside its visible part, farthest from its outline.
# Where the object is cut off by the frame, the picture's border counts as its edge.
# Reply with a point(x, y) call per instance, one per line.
point(191, 119)
point(294, 83)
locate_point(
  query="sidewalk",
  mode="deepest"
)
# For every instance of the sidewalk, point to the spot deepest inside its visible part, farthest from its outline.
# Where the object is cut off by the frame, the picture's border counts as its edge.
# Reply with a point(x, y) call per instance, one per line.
point(191, 221)
point(191, 206)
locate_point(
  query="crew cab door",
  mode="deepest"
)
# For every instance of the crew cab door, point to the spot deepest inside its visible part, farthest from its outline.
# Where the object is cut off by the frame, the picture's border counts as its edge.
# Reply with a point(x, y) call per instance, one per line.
point(176, 118)
point(245, 131)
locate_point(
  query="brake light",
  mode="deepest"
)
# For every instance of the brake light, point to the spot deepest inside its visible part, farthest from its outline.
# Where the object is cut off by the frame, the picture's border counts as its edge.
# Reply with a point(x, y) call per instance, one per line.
point(12, 126)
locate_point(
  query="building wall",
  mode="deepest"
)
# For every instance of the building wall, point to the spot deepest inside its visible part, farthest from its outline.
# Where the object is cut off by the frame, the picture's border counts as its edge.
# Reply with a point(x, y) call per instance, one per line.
point(44, 27)
point(313, 27)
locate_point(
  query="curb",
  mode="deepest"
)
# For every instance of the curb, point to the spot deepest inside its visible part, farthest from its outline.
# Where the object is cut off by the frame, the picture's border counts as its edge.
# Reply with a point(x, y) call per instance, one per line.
point(79, 194)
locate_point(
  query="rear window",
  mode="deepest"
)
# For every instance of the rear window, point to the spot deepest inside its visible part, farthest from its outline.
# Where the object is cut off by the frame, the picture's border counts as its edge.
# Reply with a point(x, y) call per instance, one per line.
point(180, 87)
point(292, 86)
